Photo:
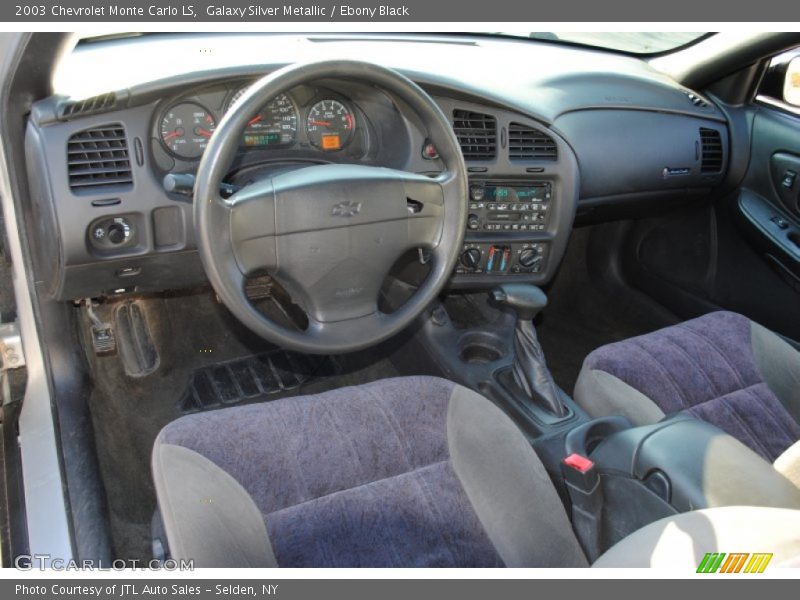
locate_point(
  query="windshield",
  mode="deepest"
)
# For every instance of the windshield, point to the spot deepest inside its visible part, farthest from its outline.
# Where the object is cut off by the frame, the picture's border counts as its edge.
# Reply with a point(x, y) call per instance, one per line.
point(635, 42)
point(113, 60)
point(648, 42)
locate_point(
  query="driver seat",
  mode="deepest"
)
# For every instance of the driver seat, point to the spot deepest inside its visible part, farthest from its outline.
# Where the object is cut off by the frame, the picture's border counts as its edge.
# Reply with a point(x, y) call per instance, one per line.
point(404, 472)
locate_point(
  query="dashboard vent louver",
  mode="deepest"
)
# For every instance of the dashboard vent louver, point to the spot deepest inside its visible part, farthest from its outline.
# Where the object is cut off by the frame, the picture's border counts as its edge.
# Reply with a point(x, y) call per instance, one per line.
point(712, 153)
point(476, 133)
point(99, 157)
point(527, 143)
point(89, 106)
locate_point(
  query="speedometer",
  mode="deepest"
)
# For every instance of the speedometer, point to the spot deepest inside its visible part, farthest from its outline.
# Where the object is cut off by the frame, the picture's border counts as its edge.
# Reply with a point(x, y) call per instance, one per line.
point(330, 125)
point(274, 125)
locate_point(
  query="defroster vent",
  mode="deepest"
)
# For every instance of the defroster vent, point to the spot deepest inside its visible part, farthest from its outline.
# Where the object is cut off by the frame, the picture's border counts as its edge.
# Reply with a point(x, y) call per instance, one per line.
point(711, 151)
point(99, 158)
point(89, 106)
point(527, 143)
point(476, 133)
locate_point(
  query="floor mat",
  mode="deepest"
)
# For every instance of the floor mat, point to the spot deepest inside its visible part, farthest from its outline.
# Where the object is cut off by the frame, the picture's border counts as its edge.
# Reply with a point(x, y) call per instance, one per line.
point(252, 377)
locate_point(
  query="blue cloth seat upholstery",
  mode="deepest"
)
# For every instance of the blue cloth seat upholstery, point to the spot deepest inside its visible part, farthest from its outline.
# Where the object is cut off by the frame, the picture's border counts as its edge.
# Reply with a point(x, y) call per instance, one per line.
point(721, 368)
point(405, 472)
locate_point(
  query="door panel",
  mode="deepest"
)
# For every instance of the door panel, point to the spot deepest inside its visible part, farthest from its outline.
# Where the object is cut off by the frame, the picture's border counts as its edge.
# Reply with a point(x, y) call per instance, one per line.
point(775, 157)
point(768, 205)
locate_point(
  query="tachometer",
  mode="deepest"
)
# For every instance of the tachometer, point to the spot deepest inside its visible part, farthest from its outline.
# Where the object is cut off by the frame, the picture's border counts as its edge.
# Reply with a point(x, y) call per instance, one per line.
point(186, 129)
point(330, 125)
point(274, 125)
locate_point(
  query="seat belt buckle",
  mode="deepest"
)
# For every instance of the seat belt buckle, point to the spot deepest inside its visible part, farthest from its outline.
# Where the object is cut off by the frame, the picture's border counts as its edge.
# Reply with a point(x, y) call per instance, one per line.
point(580, 473)
point(583, 484)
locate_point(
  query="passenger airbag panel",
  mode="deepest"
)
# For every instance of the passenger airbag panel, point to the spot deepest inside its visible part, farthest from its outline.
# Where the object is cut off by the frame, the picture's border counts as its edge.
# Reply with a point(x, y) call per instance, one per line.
point(636, 151)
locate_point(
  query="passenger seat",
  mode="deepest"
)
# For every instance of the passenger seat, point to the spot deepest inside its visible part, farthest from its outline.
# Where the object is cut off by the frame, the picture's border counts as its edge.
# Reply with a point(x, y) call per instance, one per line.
point(721, 368)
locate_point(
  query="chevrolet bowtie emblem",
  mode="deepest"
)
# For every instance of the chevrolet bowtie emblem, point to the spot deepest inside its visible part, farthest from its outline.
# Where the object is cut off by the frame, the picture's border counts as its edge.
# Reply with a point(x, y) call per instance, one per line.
point(346, 209)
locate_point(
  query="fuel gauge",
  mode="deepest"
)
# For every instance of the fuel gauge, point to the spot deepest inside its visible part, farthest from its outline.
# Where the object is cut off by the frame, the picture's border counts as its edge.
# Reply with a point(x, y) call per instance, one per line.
point(330, 125)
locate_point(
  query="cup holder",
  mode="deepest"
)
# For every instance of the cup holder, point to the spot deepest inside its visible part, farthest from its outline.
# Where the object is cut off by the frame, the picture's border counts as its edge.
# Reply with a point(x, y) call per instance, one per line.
point(480, 349)
point(585, 438)
point(478, 354)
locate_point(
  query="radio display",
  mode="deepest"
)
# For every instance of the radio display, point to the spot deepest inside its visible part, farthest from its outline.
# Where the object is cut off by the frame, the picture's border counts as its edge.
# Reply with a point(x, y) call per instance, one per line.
point(508, 193)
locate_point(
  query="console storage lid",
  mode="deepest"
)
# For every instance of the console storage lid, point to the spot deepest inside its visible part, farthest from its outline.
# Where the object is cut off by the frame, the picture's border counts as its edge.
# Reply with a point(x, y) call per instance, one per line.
point(694, 465)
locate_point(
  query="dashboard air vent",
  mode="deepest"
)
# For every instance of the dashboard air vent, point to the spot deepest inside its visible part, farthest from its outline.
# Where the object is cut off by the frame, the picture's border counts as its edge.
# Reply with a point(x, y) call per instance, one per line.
point(89, 106)
point(527, 143)
point(99, 157)
point(712, 154)
point(476, 133)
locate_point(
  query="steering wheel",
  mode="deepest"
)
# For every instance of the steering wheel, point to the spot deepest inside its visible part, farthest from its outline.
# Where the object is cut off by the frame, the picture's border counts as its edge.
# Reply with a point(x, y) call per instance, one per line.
point(329, 234)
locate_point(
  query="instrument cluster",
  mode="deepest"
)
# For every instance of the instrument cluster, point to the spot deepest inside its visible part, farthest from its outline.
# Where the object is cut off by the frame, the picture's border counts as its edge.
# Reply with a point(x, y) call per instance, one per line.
point(319, 120)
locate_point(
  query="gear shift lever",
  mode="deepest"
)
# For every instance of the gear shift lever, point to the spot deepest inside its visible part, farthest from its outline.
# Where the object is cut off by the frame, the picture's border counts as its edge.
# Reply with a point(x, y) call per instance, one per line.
point(530, 369)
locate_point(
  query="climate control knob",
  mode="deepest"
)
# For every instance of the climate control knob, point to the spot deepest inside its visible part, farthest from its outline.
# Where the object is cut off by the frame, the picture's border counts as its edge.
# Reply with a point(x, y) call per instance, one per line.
point(529, 257)
point(471, 258)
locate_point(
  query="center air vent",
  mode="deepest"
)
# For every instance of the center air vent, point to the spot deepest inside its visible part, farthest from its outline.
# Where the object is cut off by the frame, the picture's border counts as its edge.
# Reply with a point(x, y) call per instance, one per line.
point(98, 158)
point(527, 143)
point(476, 133)
point(712, 153)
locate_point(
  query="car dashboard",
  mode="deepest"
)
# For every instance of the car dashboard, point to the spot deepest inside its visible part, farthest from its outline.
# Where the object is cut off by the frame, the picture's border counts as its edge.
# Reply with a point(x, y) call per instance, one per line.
point(112, 175)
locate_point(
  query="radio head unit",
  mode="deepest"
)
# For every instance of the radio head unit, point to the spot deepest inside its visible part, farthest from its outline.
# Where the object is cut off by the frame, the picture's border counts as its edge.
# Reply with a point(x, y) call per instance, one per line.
point(509, 207)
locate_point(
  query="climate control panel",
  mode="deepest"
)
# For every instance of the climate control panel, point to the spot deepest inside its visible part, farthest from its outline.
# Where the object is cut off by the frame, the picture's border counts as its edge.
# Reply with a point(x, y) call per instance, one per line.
point(502, 258)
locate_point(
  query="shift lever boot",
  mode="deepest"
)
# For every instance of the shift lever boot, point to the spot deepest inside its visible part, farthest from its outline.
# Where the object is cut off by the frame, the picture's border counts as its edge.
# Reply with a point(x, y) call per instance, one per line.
point(530, 368)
